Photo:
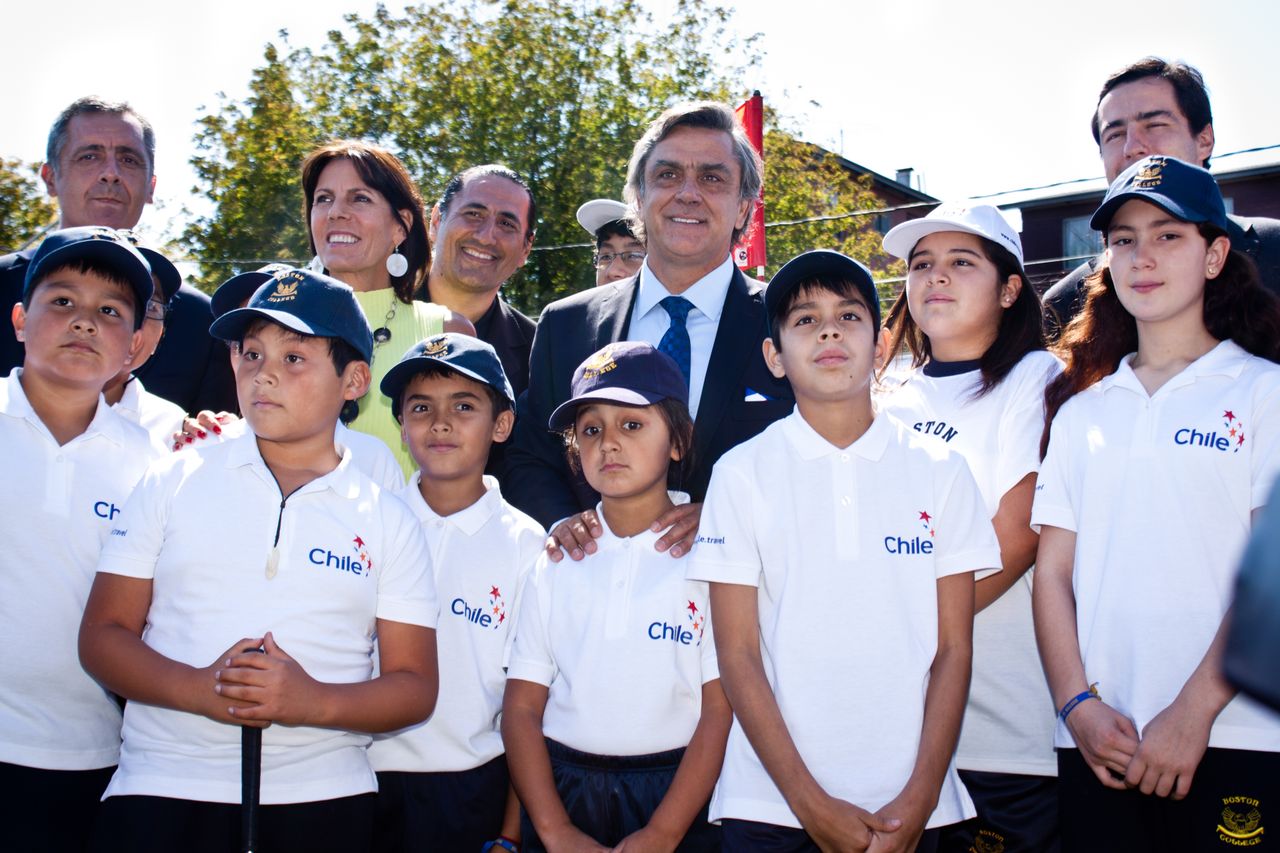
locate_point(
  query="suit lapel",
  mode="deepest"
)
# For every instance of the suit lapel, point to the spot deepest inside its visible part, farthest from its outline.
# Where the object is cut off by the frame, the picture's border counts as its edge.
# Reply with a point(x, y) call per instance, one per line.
point(735, 343)
point(615, 311)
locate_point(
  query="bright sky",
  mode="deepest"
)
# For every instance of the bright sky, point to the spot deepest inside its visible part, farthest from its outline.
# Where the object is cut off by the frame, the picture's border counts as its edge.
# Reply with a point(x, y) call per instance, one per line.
point(977, 97)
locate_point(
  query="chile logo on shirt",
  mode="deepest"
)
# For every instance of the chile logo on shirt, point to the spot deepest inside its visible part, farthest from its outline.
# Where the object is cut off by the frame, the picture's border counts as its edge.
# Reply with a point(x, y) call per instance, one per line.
point(920, 543)
point(687, 633)
point(361, 564)
point(492, 615)
point(1230, 436)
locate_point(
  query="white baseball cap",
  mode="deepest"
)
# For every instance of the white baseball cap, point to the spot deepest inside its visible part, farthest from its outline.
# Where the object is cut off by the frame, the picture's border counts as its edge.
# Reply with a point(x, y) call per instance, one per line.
point(983, 220)
point(598, 212)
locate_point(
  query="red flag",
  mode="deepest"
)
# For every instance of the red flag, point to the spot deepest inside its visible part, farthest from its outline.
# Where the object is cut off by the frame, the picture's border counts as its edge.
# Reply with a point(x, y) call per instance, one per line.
point(751, 253)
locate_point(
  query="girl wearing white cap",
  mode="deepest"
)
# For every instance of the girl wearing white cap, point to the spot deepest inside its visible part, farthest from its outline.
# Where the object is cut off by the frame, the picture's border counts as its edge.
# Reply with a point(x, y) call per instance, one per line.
point(1164, 443)
point(972, 325)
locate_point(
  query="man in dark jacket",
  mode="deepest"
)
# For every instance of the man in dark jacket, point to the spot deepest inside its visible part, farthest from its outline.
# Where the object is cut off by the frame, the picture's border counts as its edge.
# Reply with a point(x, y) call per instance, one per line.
point(100, 166)
point(692, 184)
point(1159, 107)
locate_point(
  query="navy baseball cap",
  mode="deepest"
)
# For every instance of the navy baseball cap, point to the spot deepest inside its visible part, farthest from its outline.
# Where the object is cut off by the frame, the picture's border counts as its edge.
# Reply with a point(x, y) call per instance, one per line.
point(471, 357)
point(820, 263)
point(235, 291)
point(161, 267)
point(306, 302)
point(91, 242)
point(1188, 192)
point(628, 373)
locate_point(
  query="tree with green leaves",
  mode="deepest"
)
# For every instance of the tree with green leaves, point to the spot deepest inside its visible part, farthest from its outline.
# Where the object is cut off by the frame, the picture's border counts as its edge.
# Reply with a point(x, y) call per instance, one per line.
point(24, 207)
point(558, 90)
point(812, 202)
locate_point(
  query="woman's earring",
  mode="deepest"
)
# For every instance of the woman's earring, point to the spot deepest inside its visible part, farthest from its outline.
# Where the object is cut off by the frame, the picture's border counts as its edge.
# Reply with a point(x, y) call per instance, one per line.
point(397, 264)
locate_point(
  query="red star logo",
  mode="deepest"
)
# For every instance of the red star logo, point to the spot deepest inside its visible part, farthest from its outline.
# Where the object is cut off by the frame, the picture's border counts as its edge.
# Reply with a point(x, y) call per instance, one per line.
point(359, 542)
point(692, 608)
point(931, 531)
point(1229, 415)
point(925, 517)
point(496, 609)
point(493, 593)
point(501, 618)
point(1232, 433)
point(1240, 439)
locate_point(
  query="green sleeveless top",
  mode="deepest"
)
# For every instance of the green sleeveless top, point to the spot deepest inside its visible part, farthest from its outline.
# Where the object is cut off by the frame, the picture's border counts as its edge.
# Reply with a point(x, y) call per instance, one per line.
point(411, 323)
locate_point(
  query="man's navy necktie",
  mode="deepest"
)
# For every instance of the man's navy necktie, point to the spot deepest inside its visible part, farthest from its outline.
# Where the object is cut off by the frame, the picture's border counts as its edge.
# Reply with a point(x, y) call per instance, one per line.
point(675, 342)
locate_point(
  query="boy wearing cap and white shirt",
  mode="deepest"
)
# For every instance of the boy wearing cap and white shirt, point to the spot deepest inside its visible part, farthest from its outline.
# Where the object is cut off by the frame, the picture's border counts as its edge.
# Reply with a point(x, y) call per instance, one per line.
point(368, 453)
point(125, 392)
point(443, 784)
point(305, 559)
point(973, 328)
point(840, 548)
point(618, 253)
point(70, 462)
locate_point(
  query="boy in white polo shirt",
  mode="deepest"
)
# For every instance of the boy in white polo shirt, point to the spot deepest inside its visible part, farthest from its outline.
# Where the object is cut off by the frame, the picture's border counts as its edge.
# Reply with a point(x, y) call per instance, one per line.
point(443, 784)
point(368, 453)
point(69, 463)
point(841, 549)
point(270, 541)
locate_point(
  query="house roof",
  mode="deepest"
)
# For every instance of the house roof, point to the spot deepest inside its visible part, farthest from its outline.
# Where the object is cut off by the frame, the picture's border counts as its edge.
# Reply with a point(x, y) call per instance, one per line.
point(882, 180)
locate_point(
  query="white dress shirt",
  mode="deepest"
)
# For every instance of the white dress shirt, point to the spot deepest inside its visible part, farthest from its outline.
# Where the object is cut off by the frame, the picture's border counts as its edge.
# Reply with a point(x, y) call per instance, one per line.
point(650, 321)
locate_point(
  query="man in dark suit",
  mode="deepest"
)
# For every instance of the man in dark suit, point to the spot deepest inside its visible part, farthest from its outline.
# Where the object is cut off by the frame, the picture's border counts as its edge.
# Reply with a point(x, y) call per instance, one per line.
point(692, 183)
point(481, 232)
point(1158, 107)
point(100, 166)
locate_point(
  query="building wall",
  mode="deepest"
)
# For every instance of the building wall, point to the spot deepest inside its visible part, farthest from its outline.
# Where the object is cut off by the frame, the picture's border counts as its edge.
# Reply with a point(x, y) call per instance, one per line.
point(1042, 224)
point(1255, 196)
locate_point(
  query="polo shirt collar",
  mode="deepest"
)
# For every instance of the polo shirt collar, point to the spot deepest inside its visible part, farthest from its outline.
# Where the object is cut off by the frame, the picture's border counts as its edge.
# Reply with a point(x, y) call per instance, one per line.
point(809, 445)
point(1226, 359)
point(131, 400)
point(645, 538)
point(707, 293)
point(344, 480)
point(14, 403)
point(469, 520)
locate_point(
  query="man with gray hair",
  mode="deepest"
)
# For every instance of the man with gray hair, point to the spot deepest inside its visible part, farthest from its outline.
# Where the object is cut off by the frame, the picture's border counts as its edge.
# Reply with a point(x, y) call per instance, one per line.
point(100, 166)
point(692, 184)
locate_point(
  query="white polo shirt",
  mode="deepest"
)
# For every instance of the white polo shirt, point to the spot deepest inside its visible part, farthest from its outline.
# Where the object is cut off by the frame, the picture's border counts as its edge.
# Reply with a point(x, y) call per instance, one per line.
point(846, 546)
point(159, 417)
point(58, 505)
point(623, 641)
point(368, 453)
point(1159, 490)
point(201, 527)
point(650, 321)
point(1008, 723)
point(480, 557)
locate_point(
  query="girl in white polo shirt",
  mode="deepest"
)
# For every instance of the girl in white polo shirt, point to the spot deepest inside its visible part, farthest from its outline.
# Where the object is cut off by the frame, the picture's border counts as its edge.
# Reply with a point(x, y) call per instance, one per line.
point(1164, 443)
point(613, 719)
point(973, 326)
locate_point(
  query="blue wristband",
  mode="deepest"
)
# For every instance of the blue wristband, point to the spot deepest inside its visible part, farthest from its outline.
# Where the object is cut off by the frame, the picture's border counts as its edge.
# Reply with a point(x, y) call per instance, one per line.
point(500, 843)
point(1091, 693)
